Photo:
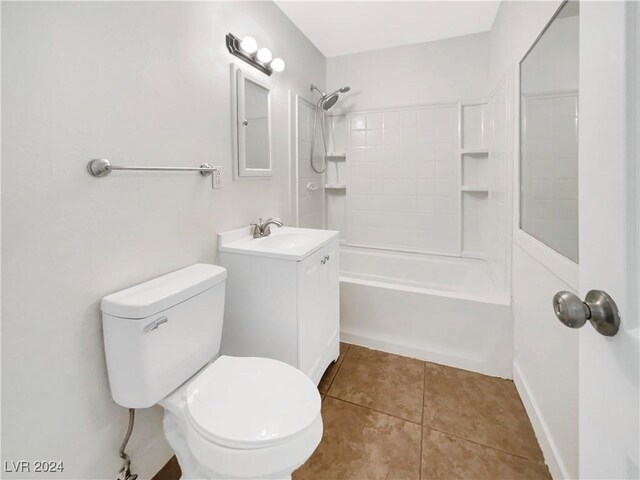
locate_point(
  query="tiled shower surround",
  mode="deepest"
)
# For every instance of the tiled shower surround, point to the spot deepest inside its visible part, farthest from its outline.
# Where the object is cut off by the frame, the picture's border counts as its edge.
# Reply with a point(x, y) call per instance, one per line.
point(403, 175)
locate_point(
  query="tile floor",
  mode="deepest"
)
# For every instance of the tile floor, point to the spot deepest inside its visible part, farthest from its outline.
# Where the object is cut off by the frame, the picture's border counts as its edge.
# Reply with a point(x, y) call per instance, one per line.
point(398, 418)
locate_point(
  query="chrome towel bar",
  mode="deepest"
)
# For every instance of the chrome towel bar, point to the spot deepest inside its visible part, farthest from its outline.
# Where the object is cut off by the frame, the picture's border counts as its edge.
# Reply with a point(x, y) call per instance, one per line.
point(100, 167)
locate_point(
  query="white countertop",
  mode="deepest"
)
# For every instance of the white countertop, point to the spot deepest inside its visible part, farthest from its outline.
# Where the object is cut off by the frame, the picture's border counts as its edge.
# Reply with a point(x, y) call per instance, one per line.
point(288, 243)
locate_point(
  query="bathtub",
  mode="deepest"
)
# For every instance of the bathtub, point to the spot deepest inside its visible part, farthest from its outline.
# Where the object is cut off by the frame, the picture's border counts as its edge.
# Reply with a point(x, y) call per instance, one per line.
point(446, 310)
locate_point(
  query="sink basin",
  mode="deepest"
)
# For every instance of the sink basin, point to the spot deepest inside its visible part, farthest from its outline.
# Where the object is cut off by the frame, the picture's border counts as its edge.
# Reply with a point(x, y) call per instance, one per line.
point(286, 242)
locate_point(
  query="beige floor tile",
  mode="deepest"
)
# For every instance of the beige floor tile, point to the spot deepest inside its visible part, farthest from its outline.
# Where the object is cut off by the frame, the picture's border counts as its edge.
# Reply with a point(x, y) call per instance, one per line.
point(361, 444)
point(331, 371)
point(382, 381)
point(484, 409)
point(445, 457)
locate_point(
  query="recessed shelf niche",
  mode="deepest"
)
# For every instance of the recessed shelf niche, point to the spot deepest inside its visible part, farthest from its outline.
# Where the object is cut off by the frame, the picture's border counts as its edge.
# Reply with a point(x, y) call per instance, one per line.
point(474, 179)
point(335, 178)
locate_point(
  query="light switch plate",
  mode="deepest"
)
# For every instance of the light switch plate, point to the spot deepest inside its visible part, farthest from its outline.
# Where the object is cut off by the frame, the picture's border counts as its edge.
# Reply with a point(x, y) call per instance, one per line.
point(216, 179)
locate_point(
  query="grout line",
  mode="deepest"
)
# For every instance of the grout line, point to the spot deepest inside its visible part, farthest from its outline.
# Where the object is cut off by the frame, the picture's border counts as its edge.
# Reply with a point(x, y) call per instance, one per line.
point(373, 410)
point(422, 424)
point(424, 388)
point(339, 366)
point(484, 445)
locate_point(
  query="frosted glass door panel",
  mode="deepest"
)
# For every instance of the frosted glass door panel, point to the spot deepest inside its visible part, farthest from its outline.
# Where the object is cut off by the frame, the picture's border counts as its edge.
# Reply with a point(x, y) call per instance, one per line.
point(403, 179)
point(550, 172)
point(549, 135)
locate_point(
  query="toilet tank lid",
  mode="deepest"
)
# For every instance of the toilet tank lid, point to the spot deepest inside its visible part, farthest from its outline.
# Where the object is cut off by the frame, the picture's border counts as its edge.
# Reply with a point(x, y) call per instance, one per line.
point(151, 297)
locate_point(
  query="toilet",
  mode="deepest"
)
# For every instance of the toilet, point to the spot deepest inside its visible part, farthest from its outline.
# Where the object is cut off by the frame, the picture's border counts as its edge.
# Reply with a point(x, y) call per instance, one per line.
point(225, 417)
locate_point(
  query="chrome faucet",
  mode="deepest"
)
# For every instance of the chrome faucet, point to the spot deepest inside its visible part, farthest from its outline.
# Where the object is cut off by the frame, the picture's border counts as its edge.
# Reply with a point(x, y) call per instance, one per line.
point(259, 230)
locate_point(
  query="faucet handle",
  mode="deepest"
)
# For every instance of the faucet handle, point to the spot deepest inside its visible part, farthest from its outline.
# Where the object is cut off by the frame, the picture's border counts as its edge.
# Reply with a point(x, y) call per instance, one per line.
point(255, 230)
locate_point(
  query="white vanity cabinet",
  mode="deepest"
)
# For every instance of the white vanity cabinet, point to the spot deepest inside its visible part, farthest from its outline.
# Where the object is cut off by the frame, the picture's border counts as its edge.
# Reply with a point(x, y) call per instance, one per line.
point(282, 297)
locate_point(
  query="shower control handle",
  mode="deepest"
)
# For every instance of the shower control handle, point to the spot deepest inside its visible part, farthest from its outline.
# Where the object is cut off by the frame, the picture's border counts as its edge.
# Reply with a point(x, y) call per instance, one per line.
point(598, 307)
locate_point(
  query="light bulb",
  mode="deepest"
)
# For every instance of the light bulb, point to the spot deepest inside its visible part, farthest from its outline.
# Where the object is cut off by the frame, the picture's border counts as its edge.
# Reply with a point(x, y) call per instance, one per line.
point(277, 64)
point(249, 44)
point(264, 55)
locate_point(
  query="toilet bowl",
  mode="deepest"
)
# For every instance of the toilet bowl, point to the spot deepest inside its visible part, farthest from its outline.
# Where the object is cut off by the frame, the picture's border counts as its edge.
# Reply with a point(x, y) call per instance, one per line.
point(225, 417)
point(243, 417)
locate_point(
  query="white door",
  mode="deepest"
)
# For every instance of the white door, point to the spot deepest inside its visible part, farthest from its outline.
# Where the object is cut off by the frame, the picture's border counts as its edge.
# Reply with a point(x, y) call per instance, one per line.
point(609, 405)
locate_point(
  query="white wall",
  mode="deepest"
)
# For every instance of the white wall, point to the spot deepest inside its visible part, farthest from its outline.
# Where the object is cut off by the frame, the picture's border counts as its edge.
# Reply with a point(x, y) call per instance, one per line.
point(138, 83)
point(424, 73)
point(545, 352)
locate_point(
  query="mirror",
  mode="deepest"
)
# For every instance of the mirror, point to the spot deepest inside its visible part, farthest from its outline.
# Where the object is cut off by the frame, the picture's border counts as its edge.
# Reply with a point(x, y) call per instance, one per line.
point(549, 134)
point(252, 126)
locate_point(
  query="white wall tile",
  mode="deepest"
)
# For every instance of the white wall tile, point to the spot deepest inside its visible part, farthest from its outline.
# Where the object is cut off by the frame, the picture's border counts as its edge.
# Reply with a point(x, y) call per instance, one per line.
point(358, 122)
point(375, 120)
point(411, 180)
point(374, 137)
point(358, 138)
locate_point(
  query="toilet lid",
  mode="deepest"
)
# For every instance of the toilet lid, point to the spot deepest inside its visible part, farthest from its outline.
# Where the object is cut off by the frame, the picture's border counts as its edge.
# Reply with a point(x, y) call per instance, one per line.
point(251, 402)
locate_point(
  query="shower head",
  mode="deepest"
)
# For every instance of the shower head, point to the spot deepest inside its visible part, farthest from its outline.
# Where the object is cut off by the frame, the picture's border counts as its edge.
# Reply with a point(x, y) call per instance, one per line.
point(330, 100)
point(326, 102)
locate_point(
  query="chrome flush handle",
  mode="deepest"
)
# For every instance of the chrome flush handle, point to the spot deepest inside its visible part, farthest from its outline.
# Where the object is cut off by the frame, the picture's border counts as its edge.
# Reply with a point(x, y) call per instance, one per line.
point(155, 324)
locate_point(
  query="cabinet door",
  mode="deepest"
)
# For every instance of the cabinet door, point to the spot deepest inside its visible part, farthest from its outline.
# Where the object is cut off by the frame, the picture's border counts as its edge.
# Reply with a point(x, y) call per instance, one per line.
point(331, 332)
point(311, 307)
point(318, 311)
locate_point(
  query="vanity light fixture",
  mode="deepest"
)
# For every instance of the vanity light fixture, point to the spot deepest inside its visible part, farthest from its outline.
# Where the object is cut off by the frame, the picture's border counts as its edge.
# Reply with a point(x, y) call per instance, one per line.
point(249, 44)
point(277, 64)
point(264, 55)
point(261, 58)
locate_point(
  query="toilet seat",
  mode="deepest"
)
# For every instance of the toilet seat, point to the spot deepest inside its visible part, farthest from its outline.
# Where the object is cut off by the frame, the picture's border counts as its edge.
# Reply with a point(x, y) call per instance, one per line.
point(251, 402)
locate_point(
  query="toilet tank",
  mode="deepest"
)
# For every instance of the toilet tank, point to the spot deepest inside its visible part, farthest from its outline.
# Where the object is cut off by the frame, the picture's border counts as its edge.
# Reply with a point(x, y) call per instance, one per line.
point(159, 333)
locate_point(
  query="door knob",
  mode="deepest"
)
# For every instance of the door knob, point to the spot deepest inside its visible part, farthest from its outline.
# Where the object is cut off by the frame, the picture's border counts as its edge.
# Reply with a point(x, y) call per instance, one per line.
point(598, 307)
point(245, 122)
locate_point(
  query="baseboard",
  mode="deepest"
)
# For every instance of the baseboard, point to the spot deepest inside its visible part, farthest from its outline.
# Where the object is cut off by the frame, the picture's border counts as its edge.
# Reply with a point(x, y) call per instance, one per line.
point(151, 460)
point(425, 354)
point(552, 457)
